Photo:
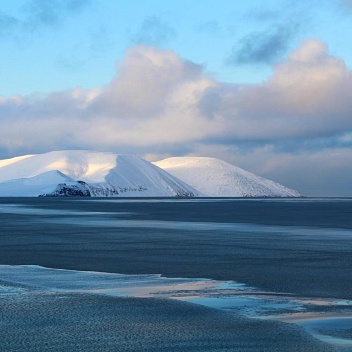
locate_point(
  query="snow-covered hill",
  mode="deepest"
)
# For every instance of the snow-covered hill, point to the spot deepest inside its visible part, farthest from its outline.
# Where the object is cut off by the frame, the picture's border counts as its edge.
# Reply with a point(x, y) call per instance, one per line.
point(44, 183)
point(216, 178)
point(67, 173)
point(85, 173)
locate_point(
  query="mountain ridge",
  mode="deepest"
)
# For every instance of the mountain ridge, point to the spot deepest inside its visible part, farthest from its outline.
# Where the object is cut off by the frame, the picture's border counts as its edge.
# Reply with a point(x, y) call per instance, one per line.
point(217, 178)
point(106, 174)
point(93, 173)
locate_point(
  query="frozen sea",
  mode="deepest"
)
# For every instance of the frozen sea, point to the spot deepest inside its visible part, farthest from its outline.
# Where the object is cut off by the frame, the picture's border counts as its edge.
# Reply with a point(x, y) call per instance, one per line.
point(175, 274)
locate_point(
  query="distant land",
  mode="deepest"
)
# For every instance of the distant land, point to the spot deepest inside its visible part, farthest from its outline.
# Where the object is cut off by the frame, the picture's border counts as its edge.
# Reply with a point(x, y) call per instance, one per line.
point(103, 174)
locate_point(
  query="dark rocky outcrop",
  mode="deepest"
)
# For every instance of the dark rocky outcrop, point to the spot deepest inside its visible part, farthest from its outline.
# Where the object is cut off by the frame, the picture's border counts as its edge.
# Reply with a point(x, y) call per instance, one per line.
point(66, 190)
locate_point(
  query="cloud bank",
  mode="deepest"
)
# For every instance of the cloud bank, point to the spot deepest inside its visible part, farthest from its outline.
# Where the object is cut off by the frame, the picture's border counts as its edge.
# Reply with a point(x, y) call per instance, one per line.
point(161, 103)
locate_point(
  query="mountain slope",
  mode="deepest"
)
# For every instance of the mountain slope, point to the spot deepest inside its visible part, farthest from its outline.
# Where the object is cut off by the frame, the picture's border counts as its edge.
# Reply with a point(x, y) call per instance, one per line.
point(133, 176)
point(101, 174)
point(44, 183)
point(76, 164)
point(216, 178)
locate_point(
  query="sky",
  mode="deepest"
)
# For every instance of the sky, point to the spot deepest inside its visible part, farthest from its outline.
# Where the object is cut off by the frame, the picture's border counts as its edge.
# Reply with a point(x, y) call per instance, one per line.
point(263, 84)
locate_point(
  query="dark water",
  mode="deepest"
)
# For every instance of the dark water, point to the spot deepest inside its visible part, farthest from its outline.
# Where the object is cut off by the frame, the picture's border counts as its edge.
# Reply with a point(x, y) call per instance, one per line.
point(297, 247)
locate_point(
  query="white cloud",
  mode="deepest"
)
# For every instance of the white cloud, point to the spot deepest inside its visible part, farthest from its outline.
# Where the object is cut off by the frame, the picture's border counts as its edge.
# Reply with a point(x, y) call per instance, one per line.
point(308, 95)
point(157, 97)
point(159, 103)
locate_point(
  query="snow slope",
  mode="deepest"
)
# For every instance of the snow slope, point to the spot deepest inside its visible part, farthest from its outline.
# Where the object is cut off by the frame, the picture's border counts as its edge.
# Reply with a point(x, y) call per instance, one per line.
point(86, 173)
point(133, 176)
point(76, 164)
point(217, 178)
point(103, 174)
point(43, 183)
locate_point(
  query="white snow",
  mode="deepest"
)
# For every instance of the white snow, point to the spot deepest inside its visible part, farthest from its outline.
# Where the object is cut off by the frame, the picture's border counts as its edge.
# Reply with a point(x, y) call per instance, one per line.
point(13, 160)
point(217, 178)
point(109, 174)
point(43, 183)
point(106, 174)
point(77, 164)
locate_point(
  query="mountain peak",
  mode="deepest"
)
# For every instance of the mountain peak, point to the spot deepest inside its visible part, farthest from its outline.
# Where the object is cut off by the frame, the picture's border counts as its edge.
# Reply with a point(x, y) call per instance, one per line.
point(102, 173)
point(217, 178)
point(78, 172)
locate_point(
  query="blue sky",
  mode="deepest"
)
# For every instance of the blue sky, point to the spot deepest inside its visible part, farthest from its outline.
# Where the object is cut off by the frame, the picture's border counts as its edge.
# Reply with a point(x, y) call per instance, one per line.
point(61, 44)
point(265, 85)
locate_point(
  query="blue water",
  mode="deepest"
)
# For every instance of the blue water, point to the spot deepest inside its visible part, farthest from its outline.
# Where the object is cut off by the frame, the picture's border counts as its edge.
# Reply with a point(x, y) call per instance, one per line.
point(262, 258)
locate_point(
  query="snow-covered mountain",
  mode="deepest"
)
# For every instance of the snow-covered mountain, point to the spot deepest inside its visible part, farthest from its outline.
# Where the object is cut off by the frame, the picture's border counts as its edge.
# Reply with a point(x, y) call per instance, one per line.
point(44, 183)
point(217, 178)
point(85, 173)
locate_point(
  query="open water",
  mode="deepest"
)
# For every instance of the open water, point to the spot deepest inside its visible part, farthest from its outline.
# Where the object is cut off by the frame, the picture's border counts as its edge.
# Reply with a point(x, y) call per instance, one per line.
point(175, 274)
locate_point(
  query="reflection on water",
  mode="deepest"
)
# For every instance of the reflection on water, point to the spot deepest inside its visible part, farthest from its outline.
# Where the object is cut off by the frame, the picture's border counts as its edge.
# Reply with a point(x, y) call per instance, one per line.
point(118, 220)
point(230, 296)
point(10, 290)
point(26, 210)
point(325, 329)
point(326, 319)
